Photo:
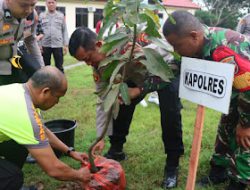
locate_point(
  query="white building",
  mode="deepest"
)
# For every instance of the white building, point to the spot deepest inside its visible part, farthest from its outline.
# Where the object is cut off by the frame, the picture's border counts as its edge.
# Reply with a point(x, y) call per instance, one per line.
point(79, 13)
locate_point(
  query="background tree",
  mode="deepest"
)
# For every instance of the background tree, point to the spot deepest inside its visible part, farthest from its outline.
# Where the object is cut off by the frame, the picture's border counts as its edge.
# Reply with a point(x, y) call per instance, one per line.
point(222, 13)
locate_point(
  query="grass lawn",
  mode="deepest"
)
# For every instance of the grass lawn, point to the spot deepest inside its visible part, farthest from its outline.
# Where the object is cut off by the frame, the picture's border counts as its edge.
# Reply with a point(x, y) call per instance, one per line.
point(146, 159)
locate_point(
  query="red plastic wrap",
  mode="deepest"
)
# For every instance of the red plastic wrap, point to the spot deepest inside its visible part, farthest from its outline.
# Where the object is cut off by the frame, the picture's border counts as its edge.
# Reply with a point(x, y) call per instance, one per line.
point(110, 176)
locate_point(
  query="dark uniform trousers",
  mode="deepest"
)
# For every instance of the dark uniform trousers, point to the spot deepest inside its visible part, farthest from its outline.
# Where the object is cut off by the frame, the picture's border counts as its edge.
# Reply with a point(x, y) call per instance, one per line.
point(12, 158)
point(170, 108)
point(57, 54)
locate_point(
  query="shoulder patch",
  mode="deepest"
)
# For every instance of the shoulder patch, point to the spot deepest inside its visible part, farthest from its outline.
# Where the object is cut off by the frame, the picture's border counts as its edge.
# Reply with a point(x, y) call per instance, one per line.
point(231, 60)
point(6, 27)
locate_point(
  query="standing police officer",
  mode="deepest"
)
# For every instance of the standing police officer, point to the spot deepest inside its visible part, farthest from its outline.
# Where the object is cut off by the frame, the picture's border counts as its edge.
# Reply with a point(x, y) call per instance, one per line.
point(55, 39)
point(13, 28)
point(244, 25)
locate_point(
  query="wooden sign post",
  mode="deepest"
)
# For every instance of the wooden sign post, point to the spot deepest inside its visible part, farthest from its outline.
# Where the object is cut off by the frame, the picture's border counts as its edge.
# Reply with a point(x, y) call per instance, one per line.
point(196, 146)
point(209, 84)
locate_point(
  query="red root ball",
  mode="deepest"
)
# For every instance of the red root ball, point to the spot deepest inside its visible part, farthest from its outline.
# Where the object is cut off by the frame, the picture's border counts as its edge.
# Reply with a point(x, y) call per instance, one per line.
point(109, 177)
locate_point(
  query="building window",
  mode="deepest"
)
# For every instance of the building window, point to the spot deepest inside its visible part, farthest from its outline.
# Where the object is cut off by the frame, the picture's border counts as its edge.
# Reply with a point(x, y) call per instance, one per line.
point(151, 2)
point(40, 9)
point(81, 17)
point(97, 16)
point(61, 9)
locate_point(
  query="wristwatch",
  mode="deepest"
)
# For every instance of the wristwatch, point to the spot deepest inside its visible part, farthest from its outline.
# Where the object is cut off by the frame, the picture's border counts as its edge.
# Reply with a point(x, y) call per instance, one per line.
point(70, 150)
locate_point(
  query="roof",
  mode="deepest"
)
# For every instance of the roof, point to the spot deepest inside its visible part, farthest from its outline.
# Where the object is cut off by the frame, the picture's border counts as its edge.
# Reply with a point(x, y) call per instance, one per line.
point(181, 3)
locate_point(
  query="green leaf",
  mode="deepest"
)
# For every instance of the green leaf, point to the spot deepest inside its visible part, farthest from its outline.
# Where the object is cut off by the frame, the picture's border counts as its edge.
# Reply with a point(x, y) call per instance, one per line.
point(124, 93)
point(109, 24)
point(151, 27)
point(176, 55)
point(166, 46)
point(107, 72)
point(156, 64)
point(113, 46)
point(161, 43)
point(111, 97)
point(117, 36)
point(110, 19)
point(132, 9)
point(107, 60)
point(154, 17)
point(116, 108)
point(134, 19)
point(113, 77)
point(151, 7)
point(116, 71)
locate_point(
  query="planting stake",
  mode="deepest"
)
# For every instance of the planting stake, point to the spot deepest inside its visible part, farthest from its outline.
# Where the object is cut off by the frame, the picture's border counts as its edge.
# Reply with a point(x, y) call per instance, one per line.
point(196, 146)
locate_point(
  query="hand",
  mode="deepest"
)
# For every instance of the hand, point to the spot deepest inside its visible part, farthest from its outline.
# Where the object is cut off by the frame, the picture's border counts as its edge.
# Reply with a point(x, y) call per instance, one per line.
point(134, 92)
point(85, 175)
point(82, 157)
point(39, 37)
point(98, 148)
point(65, 50)
point(243, 136)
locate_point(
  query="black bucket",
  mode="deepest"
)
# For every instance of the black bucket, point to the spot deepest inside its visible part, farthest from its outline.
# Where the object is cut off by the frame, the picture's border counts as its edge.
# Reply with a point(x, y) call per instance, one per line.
point(64, 130)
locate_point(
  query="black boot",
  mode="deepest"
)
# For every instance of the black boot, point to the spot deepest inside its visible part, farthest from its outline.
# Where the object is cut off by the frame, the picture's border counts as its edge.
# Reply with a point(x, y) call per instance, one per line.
point(233, 185)
point(118, 156)
point(217, 175)
point(115, 152)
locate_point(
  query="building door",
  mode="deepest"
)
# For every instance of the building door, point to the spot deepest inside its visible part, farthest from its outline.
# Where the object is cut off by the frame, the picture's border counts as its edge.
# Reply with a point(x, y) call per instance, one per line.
point(98, 16)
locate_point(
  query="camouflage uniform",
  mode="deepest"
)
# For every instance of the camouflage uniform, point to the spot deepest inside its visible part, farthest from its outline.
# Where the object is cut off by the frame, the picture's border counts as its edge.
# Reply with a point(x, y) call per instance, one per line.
point(244, 25)
point(227, 152)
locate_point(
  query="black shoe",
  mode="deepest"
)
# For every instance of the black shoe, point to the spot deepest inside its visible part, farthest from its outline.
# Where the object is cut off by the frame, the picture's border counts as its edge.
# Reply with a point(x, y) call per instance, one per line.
point(211, 180)
point(30, 159)
point(170, 179)
point(217, 175)
point(233, 185)
point(118, 156)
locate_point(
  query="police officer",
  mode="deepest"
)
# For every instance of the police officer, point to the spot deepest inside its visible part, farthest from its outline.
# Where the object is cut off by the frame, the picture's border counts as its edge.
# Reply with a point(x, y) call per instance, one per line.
point(13, 28)
point(83, 47)
point(55, 39)
point(244, 25)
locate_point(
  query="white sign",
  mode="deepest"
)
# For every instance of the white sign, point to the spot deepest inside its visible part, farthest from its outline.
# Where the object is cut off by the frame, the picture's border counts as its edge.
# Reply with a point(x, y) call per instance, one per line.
point(207, 83)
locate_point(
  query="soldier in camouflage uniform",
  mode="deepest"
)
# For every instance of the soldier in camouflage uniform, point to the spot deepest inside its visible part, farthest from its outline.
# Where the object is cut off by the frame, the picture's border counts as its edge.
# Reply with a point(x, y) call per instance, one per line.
point(244, 25)
point(190, 38)
point(14, 27)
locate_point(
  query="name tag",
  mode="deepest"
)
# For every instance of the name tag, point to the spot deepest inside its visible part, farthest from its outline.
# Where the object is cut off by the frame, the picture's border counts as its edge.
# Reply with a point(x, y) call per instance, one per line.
point(5, 41)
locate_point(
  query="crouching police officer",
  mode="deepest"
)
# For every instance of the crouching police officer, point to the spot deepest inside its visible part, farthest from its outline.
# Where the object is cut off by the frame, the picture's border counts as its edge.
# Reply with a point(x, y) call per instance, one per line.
point(14, 27)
